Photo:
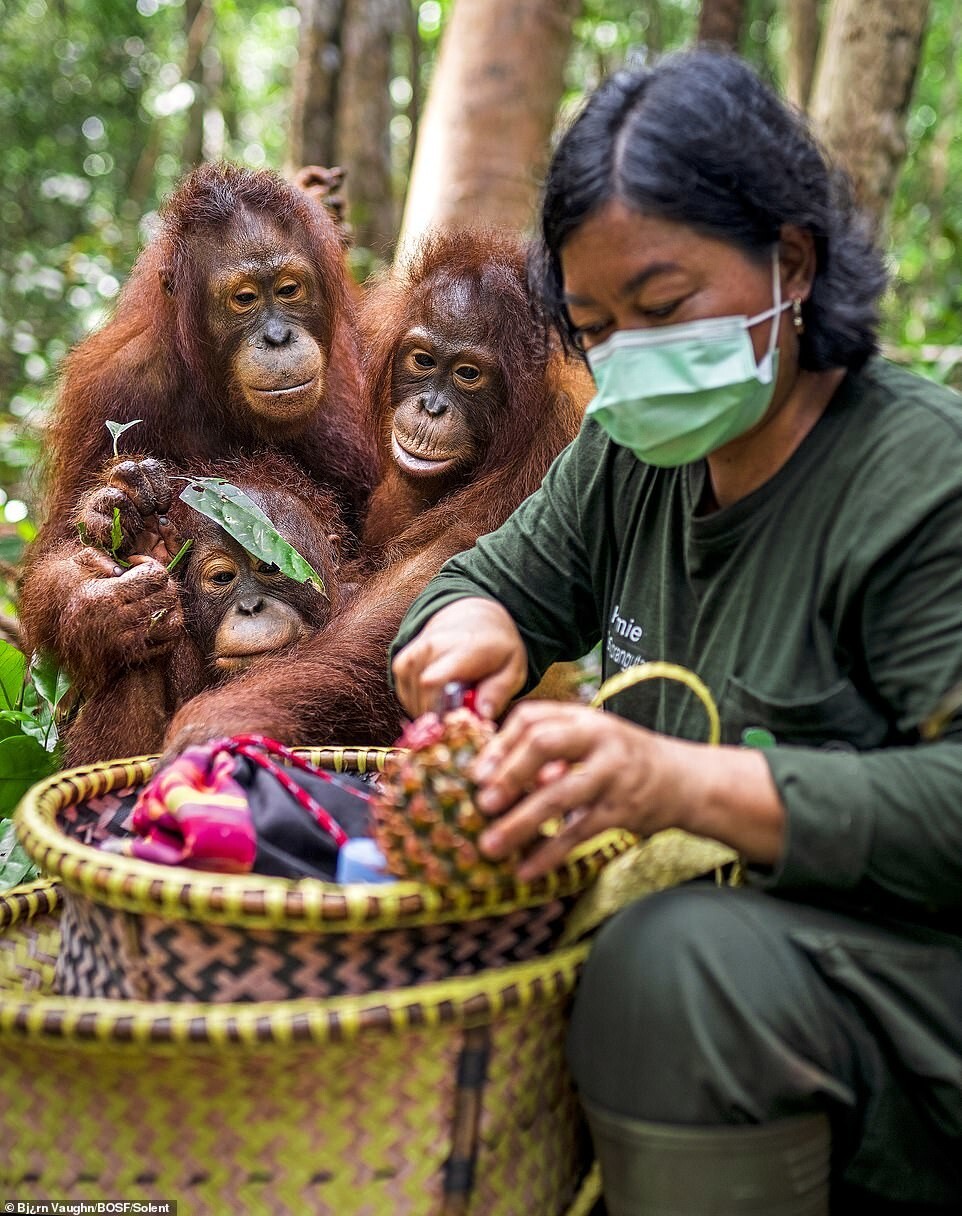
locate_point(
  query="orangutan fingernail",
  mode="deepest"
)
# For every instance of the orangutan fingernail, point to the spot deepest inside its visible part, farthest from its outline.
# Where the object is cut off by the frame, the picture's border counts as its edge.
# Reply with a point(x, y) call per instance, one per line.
point(117, 570)
point(162, 520)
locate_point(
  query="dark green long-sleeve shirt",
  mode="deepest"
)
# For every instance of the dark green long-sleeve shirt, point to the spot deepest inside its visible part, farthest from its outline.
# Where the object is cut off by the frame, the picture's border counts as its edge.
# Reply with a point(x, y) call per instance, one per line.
point(825, 608)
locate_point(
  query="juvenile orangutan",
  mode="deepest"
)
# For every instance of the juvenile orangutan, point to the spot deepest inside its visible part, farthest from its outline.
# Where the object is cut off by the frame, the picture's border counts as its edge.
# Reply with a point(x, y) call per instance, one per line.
point(470, 404)
point(171, 634)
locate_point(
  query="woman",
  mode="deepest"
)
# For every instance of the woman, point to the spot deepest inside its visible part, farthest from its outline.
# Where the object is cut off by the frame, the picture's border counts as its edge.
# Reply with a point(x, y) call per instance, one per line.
point(755, 495)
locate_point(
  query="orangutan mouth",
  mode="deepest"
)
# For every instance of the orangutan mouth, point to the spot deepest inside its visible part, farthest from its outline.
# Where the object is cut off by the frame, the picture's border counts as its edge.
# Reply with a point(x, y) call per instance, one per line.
point(290, 388)
point(419, 463)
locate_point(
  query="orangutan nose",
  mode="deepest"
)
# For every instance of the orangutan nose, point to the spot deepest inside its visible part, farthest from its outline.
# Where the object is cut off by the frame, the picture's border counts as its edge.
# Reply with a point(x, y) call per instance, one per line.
point(433, 404)
point(250, 605)
point(276, 333)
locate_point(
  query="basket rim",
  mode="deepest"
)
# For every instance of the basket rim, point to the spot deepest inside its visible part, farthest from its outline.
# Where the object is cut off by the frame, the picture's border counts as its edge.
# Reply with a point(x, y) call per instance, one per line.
point(461, 1001)
point(27, 901)
point(257, 901)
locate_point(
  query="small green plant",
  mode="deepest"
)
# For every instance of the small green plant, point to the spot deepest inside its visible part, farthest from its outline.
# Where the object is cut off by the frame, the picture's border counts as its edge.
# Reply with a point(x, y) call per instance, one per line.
point(117, 429)
point(179, 555)
point(30, 697)
point(117, 539)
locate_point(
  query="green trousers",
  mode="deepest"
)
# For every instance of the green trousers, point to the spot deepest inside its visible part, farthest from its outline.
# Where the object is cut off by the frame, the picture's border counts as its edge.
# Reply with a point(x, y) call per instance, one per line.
point(716, 1008)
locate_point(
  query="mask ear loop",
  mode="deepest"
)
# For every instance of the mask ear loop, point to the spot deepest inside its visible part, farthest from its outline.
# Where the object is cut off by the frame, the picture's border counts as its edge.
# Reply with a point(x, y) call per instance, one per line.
point(764, 370)
point(777, 308)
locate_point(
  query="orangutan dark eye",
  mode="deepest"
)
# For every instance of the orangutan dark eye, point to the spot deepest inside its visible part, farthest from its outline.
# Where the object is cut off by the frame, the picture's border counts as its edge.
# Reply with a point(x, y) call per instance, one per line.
point(267, 568)
point(423, 359)
point(223, 577)
point(467, 373)
point(244, 299)
point(289, 290)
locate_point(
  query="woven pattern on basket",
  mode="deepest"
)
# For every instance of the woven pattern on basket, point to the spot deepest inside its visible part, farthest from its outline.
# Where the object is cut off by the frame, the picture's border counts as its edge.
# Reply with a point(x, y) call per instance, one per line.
point(28, 957)
point(134, 930)
point(121, 955)
point(448, 1098)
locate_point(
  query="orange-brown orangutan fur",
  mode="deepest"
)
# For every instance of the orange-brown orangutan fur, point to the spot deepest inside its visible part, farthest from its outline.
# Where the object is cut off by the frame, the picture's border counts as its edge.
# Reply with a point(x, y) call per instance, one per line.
point(236, 331)
point(462, 296)
point(201, 625)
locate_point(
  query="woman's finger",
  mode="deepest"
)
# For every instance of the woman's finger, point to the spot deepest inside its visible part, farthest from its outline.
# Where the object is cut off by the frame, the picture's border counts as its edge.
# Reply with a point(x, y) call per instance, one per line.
point(552, 851)
point(579, 787)
point(510, 764)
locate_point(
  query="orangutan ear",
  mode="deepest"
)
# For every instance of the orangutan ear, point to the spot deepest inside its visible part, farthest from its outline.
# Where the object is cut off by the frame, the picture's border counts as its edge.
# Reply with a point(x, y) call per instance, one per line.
point(166, 282)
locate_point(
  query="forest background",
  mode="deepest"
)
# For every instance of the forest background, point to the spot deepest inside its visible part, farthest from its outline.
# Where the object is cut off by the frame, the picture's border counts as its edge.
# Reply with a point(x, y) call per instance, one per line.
point(104, 104)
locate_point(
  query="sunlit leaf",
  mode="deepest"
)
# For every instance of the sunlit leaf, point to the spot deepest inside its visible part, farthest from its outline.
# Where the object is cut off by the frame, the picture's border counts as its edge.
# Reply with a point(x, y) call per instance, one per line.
point(15, 866)
point(23, 762)
point(243, 519)
point(49, 679)
point(13, 667)
point(116, 532)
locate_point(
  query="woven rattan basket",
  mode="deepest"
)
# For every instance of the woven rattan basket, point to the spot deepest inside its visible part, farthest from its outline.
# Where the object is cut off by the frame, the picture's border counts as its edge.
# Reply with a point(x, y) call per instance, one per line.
point(135, 930)
point(444, 1099)
point(252, 1045)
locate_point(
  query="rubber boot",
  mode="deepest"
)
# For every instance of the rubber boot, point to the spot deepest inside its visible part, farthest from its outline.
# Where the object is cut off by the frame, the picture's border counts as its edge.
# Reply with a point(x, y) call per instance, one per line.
point(659, 1169)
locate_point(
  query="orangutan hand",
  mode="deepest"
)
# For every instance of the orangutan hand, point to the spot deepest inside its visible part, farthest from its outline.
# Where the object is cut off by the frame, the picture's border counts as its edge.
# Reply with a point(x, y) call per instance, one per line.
point(140, 491)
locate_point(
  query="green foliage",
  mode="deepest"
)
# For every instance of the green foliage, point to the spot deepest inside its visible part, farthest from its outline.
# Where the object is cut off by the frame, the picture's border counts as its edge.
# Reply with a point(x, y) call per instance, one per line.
point(96, 100)
point(116, 532)
point(925, 228)
point(15, 866)
point(29, 746)
point(243, 519)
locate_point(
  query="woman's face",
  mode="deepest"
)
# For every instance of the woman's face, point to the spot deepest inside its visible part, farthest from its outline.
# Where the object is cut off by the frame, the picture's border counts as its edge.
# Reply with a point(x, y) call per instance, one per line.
point(626, 270)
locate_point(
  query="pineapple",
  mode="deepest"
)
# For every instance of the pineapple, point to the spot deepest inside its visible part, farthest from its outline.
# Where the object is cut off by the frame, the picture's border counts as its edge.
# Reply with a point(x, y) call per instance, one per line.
point(425, 821)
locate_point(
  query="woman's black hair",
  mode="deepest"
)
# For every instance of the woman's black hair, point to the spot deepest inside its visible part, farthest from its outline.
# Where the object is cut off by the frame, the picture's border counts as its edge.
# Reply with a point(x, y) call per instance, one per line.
point(701, 140)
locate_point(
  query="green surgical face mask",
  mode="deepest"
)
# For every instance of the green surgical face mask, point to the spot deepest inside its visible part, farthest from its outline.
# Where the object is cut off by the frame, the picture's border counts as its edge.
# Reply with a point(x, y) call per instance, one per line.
point(675, 393)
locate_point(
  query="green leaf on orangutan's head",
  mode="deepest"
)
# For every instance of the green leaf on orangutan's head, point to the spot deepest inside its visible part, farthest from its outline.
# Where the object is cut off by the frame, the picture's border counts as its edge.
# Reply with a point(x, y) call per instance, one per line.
point(243, 519)
point(117, 429)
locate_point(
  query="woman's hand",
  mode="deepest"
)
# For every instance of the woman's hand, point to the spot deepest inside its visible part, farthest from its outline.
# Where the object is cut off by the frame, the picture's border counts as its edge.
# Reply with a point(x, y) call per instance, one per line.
point(596, 771)
point(473, 641)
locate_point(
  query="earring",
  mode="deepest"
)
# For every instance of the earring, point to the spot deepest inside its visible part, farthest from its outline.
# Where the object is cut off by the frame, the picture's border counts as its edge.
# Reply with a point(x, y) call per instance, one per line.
point(797, 315)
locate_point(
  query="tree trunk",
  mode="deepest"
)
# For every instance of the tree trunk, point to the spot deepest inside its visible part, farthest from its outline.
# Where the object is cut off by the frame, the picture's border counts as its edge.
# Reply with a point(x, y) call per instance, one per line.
point(863, 86)
point(199, 24)
point(482, 146)
point(721, 22)
point(363, 144)
point(415, 104)
point(314, 92)
point(802, 22)
point(655, 34)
